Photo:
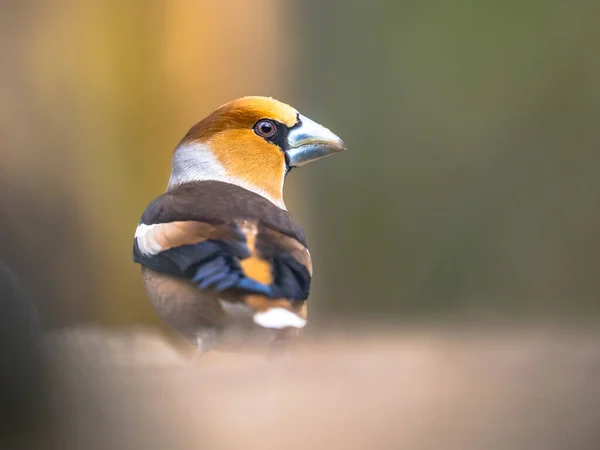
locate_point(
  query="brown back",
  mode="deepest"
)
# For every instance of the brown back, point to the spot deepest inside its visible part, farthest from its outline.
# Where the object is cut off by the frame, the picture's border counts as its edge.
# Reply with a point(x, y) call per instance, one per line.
point(217, 202)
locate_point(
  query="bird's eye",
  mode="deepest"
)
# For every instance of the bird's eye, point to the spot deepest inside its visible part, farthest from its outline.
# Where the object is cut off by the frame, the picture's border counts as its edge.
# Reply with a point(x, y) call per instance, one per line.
point(265, 128)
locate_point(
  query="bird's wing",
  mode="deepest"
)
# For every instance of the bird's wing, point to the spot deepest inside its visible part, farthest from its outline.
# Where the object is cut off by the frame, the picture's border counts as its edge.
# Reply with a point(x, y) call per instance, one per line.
point(290, 262)
point(207, 254)
point(249, 259)
point(222, 237)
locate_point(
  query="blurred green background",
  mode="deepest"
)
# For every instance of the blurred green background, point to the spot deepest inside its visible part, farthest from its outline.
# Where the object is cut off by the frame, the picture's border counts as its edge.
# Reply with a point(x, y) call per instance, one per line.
point(471, 187)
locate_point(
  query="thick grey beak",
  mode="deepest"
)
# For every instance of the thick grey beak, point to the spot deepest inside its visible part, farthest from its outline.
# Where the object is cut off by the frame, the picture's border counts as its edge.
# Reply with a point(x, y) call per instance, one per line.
point(310, 141)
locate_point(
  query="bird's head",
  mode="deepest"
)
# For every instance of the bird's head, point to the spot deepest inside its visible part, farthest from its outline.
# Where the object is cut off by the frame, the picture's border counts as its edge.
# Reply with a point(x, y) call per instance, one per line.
point(252, 142)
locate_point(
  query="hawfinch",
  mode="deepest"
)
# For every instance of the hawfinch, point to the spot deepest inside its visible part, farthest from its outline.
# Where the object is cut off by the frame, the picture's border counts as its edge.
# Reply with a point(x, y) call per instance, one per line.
point(220, 254)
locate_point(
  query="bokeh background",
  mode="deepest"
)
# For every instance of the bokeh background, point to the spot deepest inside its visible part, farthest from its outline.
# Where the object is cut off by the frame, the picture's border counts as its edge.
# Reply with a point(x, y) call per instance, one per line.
point(470, 191)
point(470, 186)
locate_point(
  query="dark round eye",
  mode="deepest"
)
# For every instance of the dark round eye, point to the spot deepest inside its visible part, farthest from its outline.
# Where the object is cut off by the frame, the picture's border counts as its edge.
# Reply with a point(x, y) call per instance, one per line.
point(265, 128)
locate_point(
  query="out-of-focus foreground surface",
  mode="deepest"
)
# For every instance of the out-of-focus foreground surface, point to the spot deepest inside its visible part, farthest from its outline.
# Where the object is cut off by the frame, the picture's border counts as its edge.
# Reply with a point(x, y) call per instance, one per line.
point(499, 389)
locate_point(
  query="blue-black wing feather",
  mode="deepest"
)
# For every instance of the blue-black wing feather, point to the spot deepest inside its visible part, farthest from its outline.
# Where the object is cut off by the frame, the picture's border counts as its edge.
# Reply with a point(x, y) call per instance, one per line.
point(208, 264)
point(215, 264)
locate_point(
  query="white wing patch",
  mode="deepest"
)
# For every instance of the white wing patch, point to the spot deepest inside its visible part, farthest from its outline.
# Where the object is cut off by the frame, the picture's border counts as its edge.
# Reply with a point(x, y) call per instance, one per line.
point(146, 239)
point(279, 318)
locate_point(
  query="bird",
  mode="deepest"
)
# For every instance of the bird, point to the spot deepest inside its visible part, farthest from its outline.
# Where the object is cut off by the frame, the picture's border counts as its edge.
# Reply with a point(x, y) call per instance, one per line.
point(223, 262)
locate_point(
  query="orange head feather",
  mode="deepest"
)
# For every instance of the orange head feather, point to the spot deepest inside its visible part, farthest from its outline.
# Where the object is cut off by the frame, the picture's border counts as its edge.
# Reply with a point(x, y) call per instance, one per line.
point(246, 142)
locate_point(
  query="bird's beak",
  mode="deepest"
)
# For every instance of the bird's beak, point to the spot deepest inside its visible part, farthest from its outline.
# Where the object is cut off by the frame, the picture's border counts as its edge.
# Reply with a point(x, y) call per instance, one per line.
point(309, 141)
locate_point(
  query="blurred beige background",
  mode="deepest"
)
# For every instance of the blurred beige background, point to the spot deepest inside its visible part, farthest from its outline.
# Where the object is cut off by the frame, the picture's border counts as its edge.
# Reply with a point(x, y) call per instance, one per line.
point(471, 182)
point(95, 96)
point(470, 188)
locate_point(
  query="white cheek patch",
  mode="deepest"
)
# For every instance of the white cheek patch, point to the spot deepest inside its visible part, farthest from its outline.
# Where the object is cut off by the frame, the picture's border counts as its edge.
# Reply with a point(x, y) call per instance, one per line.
point(146, 239)
point(196, 162)
point(279, 318)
